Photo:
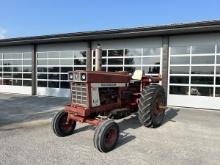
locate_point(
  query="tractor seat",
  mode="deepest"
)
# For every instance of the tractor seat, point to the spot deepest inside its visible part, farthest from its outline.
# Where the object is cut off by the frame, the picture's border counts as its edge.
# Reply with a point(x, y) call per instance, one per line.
point(137, 76)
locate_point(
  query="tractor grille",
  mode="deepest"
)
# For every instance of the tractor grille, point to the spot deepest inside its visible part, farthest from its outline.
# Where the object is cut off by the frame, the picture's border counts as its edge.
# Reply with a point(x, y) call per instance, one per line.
point(78, 92)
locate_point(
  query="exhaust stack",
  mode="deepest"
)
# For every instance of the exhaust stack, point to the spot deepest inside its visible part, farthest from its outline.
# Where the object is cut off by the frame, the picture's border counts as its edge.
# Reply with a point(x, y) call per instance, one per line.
point(98, 58)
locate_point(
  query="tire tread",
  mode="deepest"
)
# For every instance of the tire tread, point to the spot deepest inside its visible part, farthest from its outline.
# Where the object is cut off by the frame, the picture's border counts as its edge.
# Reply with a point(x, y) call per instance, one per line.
point(146, 102)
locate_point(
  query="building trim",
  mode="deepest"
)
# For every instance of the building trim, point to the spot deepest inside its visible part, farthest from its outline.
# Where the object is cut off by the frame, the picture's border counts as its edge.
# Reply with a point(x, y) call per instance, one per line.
point(172, 29)
point(165, 62)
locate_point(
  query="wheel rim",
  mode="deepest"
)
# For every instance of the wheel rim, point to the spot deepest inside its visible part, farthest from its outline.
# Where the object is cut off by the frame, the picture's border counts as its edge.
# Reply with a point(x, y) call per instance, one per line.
point(64, 126)
point(158, 112)
point(111, 136)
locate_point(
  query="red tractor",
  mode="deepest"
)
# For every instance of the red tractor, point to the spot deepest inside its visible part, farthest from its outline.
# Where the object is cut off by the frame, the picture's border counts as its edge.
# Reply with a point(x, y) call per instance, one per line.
point(98, 97)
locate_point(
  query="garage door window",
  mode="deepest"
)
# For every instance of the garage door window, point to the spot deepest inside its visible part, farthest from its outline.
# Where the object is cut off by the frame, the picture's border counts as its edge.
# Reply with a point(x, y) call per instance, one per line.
point(179, 70)
point(203, 49)
point(146, 59)
point(16, 69)
point(53, 67)
point(196, 70)
point(179, 90)
point(217, 92)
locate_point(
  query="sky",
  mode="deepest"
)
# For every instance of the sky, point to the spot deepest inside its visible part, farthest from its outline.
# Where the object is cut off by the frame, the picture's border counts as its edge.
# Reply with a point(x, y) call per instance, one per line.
point(21, 18)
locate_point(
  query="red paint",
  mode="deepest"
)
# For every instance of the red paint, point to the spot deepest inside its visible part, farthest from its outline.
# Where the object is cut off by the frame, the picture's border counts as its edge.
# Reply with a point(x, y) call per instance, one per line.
point(111, 136)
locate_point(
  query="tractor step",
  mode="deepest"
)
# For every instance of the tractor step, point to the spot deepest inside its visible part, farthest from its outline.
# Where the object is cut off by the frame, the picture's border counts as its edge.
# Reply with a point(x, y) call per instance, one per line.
point(119, 113)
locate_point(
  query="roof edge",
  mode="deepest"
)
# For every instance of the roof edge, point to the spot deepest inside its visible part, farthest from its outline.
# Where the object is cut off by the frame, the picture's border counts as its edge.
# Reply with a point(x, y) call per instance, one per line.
point(193, 27)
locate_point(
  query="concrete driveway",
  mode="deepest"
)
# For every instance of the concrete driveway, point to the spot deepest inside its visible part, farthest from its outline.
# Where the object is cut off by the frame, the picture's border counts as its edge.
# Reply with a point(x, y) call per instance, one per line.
point(19, 109)
point(186, 137)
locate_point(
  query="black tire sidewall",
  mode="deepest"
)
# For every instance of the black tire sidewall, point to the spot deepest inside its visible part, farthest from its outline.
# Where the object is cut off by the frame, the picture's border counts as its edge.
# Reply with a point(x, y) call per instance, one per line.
point(56, 127)
point(100, 133)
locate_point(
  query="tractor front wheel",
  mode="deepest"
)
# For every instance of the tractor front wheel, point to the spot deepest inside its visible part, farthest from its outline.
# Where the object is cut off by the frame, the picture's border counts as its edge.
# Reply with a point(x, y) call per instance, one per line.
point(60, 126)
point(106, 136)
point(151, 106)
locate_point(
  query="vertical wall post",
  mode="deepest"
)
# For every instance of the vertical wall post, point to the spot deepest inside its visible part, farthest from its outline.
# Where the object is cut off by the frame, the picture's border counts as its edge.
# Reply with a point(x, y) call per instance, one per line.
point(34, 70)
point(89, 56)
point(165, 62)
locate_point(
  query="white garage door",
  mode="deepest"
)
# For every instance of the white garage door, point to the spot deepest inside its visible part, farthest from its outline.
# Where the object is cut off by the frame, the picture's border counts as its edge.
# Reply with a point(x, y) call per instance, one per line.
point(15, 70)
point(53, 68)
point(194, 72)
point(54, 61)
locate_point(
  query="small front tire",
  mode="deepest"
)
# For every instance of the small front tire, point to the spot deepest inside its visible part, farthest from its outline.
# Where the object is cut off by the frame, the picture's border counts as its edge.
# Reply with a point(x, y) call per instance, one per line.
point(60, 126)
point(106, 136)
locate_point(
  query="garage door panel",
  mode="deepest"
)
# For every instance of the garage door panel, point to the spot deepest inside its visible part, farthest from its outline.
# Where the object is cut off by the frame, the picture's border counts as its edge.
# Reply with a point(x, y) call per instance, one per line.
point(16, 70)
point(52, 69)
point(193, 73)
point(57, 92)
point(15, 89)
point(194, 101)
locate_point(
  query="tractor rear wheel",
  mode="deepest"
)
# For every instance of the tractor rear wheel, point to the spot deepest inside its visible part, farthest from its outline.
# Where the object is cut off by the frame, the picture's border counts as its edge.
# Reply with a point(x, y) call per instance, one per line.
point(151, 113)
point(106, 136)
point(60, 126)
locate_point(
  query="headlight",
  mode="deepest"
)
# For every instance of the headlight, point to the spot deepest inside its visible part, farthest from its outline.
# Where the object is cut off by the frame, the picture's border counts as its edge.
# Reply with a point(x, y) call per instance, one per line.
point(83, 77)
point(70, 76)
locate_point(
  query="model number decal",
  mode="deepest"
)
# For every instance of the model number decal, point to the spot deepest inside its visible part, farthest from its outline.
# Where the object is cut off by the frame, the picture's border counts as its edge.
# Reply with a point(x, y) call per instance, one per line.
point(108, 84)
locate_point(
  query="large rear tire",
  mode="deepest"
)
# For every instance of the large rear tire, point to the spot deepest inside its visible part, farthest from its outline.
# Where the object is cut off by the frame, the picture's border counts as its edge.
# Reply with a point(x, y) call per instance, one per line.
point(106, 136)
point(60, 126)
point(151, 113)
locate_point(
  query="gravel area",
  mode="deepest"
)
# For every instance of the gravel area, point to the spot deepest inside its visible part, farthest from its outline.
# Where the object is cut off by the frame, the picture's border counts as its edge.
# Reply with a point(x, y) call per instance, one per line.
point(187, 137)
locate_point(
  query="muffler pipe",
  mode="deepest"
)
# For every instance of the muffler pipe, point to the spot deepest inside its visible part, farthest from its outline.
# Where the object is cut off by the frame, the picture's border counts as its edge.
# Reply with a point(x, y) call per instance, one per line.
point(98, 58)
